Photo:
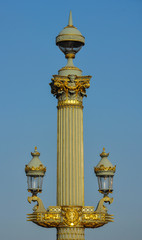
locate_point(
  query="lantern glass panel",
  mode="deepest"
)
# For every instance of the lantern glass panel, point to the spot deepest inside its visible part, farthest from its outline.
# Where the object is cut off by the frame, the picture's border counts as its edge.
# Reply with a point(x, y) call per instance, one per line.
point(70, 46)
point(105, 183)
point(35, 183)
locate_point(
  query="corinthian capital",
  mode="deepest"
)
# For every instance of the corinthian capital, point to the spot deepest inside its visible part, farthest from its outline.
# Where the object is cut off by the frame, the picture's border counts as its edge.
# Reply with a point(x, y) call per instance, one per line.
point(70, 87)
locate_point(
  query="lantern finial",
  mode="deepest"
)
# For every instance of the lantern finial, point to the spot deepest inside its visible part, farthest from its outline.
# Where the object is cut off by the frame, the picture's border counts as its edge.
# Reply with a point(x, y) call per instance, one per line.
point(104, 154)
point(35, 153)
point(70, 19)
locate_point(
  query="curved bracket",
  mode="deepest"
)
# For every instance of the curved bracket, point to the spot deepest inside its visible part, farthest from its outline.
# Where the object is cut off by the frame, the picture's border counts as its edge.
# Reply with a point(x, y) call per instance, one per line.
point(39, 207)
point(100, 207)
point(70, 216)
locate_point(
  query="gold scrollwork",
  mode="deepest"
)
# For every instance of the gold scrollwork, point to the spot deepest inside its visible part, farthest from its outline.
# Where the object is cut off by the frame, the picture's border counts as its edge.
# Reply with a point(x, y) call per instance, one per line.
point(70, 216)
point(54, 216)
point(103, 168)
point(67, 85)
point(40, 168)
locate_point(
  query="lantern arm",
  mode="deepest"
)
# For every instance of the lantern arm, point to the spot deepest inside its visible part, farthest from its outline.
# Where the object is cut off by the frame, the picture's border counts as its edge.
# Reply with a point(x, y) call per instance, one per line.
point(70, 216)
point(39, 207)
point(100, 207)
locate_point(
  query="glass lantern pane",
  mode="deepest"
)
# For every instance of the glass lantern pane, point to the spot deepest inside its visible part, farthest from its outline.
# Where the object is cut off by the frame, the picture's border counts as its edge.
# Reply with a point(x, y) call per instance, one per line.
point(70, 46)
point(29, 180)
point(40, 182)
point(105, 183)
point(35, 183)
point(111, 182)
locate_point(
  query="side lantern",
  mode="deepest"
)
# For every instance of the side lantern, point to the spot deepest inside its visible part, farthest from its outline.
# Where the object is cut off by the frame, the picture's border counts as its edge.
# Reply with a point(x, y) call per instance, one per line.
point(35, 172)
point(105, 172)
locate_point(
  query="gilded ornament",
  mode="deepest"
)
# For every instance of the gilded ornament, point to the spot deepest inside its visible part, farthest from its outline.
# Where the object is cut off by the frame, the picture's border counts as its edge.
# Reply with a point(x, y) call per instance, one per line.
point(103, 168)
point(70, 216)
point(68, 103)
point(40, 168)
point(69, 68)
point(70, 55)
point(104, 154)
point(72, 84)
point(35, 153)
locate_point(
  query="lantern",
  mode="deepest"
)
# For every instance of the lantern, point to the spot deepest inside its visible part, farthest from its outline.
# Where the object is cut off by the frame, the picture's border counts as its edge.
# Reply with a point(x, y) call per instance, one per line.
point(35, 171)
point(70, 39)
point(105, 172)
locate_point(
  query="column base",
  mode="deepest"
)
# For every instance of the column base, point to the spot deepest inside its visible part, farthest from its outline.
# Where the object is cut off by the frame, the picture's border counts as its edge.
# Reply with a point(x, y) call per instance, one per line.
point(70, 233)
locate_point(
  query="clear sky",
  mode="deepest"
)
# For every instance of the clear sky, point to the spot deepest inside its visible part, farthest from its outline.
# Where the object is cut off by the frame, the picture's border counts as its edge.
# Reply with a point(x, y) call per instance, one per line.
point(112, 110)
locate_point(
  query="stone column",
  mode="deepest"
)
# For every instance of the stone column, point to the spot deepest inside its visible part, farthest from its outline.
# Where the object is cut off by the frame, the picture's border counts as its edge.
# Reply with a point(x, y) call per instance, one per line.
point(70, 156)
point(70, 91)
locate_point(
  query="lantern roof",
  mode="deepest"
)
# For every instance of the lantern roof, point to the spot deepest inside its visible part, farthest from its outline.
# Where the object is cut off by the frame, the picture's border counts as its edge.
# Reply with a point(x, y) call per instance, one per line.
point(104, 167)
point(35, 166)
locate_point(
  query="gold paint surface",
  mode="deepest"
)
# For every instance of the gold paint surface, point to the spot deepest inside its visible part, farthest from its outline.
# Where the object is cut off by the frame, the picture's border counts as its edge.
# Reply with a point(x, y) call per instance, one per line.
point(103, 168)
point(40, 168)
point(69, 103)
point(72, 216)
point(62, 84)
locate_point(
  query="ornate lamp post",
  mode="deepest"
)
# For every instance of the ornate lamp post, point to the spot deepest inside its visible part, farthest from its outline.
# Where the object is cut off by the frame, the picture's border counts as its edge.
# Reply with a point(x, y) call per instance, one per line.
point(70, 216)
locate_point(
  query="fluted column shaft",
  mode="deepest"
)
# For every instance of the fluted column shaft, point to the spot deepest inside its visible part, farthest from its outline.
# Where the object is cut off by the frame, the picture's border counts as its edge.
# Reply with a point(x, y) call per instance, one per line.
point(70, 233)
point(70, 156)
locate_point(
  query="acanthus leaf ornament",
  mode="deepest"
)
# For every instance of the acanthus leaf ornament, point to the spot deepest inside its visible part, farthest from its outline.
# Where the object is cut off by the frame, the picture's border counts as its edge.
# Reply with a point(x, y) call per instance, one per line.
point(71, 85)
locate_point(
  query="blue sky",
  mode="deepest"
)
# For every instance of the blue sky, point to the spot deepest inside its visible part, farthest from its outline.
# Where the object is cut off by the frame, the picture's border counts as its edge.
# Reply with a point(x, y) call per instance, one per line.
point(112, 110)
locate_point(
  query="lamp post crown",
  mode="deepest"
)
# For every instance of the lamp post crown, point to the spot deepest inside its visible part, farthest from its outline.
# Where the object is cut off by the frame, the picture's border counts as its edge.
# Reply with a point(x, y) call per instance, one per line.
point(70, 39)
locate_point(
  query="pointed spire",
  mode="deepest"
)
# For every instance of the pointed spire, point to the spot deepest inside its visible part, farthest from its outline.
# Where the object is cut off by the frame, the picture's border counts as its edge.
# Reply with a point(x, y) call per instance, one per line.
point(70, 19)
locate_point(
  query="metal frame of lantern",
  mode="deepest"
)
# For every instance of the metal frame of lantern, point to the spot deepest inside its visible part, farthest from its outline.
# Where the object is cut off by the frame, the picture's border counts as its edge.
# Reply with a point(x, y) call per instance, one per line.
point(70, 216)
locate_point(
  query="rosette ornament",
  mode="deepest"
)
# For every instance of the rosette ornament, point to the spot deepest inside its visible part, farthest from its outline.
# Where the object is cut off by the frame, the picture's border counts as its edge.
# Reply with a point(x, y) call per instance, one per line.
point(105, 172)
point(35, 172)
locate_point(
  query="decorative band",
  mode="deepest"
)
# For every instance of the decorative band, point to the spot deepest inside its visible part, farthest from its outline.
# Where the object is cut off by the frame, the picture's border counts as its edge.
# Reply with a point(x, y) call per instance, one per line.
point(103, 168)
point(39, 168)
point(69, 103)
